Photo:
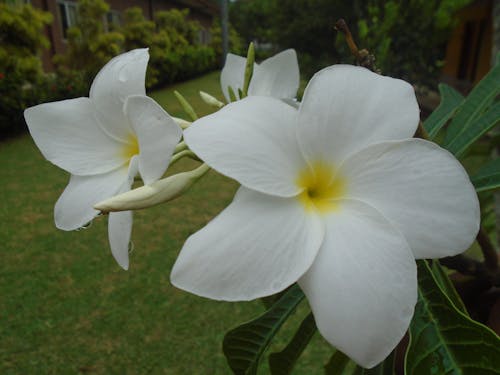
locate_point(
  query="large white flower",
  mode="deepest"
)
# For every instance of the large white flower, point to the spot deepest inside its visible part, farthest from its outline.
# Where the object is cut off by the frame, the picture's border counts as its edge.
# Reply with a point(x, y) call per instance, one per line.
point(278, 76)
point(104, 141)
point(335, 195)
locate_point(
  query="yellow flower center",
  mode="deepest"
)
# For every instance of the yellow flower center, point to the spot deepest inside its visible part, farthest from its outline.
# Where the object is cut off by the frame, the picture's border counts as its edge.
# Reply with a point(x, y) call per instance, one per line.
point(322, 187)
point(131, 147)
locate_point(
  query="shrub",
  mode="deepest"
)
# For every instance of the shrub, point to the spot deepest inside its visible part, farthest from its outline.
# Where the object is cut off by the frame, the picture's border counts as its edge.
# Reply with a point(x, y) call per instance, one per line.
point(89, 46)
point(236, 44)
point(21, 75)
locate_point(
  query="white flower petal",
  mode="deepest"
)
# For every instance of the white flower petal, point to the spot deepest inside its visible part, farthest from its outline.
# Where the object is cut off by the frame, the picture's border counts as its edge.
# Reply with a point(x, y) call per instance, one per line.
point(74, 207)
point(257, 246)
point(233, 74)
point(253, 141)
point(67, 133)
point(122, 76)
point(120, 223)
point(157, 133)
point(346, 108)
point(422, 189)
point(278, 76)
point(362, 286)
point(119, 231)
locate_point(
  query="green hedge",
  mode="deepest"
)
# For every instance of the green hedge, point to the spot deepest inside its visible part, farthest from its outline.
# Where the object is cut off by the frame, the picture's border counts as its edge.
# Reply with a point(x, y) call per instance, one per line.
point(172, 38)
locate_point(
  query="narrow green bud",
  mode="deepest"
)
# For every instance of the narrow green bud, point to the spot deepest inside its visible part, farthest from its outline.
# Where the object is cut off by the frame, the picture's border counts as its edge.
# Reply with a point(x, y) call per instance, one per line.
point(186, 106)
point(210, 100)
point(248, 69)
point(232, 95)
point(161, 191)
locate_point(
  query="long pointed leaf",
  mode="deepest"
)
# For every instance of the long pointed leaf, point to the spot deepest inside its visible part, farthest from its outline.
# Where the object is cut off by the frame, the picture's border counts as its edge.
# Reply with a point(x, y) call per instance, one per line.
point(450, 100)
point(244, 345)
point(445, 341)
point(479, 127)
point(488, 177)
point(447, 286)
point(475, 103)
point(340, 364)
point(384, 368)
point(282, 363)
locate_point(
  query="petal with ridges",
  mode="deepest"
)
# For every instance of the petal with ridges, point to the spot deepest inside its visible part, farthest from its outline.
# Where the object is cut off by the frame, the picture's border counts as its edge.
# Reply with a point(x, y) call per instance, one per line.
point(253, 141)
point(68, 135)
point(122, 76)
point(362, 286)
point(346, 108)
point(74, 207)
point(422, 189)
point(278, 76)
point(120, 223)
point(257, 246)
point(119, 232)
point(157, 134)
point(233, 74)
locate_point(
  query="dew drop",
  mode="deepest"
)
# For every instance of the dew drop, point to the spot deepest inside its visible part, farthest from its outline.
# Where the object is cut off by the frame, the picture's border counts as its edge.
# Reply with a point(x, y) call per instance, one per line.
point(84, 227)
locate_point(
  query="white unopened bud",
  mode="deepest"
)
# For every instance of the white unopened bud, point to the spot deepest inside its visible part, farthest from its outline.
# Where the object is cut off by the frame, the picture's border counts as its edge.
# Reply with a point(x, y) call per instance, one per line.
point(158, 192)
point(181, 122)
point(210, 100)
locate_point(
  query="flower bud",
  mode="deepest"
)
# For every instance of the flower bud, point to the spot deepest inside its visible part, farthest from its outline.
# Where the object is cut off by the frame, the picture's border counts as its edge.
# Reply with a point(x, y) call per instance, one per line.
point(181, 122)
point(210, 100)
point(158, 192)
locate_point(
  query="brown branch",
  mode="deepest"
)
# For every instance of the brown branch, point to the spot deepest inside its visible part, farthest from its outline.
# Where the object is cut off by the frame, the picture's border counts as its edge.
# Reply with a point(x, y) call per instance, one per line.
point(341, 26)
point(363, 57)
point(489, 252)
point(421, 132)
point(471, 267)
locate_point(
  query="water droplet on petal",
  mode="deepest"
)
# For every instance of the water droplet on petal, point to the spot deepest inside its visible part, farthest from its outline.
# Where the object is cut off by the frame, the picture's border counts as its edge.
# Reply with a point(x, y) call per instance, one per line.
point(84, 226)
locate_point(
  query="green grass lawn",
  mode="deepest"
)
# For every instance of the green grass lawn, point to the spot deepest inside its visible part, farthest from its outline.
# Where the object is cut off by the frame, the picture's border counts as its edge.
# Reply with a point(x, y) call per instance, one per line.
point(65, 305)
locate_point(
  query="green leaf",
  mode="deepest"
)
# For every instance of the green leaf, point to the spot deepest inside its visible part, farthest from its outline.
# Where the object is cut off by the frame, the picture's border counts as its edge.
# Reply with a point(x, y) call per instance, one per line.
point(450, 100)
point(384, 368)
point(447, 286)
point(282, 363)
point(480, 126)
point(488, 177)
point(244, 345)
point(340, 364)
point(475, 103)
point(443, 340)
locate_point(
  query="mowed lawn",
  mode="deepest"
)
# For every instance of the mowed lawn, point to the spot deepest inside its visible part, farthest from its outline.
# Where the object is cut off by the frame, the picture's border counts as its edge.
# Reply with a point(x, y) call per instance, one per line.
point(67, 308)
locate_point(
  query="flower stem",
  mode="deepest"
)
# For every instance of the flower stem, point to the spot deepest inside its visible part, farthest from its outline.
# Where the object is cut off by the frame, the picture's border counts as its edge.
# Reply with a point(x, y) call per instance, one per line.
point(363, 57)
point(489, 252)
point(180, 147)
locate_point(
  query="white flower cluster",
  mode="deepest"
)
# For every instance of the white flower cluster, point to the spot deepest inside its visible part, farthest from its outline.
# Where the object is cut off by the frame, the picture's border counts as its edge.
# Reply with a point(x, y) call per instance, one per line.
point(335, 193)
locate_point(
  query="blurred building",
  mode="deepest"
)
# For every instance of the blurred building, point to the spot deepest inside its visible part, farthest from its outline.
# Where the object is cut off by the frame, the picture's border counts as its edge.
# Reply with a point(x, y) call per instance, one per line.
point(469, 50)
point(64, 16)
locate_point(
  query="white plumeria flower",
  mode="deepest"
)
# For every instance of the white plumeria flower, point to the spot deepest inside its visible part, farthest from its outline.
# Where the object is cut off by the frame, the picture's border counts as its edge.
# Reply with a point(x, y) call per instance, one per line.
point(336, 196)
point(104, 141)
point(278, 76)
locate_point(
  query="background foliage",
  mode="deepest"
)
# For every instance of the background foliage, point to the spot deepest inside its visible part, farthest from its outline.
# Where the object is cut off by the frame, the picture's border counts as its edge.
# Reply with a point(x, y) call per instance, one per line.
point(21, 72)
point(176, 53)
point(407, 37)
